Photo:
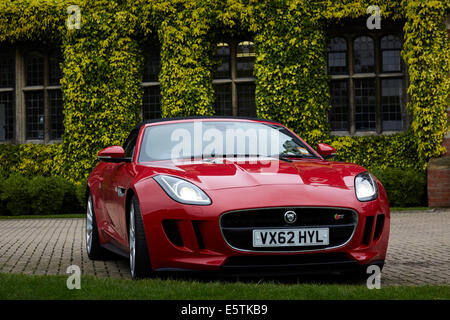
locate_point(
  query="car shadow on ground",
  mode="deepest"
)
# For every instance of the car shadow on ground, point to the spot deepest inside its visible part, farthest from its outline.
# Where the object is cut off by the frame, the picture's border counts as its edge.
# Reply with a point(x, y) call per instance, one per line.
point(334, 278)
point(347, 278)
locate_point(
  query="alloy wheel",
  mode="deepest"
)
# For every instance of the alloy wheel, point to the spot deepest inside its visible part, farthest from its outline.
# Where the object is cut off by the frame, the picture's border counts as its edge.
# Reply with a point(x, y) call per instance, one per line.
point(132, 240)
point(89, 225)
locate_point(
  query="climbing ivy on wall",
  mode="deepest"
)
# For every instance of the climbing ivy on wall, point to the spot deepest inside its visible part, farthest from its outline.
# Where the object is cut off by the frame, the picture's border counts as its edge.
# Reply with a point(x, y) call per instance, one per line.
point(186, 65)
point(101, 85)
point(291, 80)
point(103, 63)
point(427, 53)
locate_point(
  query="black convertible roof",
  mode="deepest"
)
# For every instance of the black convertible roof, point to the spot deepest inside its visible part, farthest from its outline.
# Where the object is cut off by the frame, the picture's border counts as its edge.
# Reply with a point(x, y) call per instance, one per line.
point(138, 126)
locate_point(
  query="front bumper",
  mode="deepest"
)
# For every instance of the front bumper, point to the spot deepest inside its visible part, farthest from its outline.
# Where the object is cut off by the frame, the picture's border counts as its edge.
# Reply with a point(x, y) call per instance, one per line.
point(190, 237)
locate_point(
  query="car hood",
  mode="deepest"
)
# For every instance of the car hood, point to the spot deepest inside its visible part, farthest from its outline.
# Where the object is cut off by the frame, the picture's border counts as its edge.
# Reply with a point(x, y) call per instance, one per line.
point(210, 174)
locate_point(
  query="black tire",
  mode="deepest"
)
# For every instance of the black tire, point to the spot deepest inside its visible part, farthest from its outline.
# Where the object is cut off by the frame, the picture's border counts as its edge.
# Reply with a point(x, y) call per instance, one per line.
point(95, 251)
point(142, 267)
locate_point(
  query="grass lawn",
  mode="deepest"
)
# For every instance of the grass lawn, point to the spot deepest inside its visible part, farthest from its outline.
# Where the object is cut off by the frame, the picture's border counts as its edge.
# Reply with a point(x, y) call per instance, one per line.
point(16, 286)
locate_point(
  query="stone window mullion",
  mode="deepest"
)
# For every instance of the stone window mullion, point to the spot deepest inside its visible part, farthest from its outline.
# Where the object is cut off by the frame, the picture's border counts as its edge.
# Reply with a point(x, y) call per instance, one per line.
point(234, 99)
point(20, 99)
point(46, 100)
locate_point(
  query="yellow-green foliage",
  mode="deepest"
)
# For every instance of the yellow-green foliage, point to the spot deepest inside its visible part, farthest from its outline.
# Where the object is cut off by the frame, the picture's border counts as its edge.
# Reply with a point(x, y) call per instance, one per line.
point(103, 64)
point(427, 53)
point(35, 20)
point(186, 79)
point(101, 85)
point(29, 159)
point(395, 151)
point(292, 84)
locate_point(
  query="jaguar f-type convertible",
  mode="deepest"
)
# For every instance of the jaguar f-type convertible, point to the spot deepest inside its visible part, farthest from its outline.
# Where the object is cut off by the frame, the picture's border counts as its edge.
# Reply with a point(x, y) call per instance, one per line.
point(233, 195)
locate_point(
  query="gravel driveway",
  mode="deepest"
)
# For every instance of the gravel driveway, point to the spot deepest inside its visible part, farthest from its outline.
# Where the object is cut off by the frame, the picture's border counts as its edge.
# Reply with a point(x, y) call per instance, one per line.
point(418, 253)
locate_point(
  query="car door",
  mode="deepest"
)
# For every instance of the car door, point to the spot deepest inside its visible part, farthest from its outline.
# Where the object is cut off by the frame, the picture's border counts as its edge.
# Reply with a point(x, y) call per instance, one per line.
point(118, 180)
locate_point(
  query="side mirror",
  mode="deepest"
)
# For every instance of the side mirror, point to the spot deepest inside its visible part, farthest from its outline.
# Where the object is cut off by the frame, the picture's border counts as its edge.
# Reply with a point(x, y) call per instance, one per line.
point(326, 151)
point(113, 154)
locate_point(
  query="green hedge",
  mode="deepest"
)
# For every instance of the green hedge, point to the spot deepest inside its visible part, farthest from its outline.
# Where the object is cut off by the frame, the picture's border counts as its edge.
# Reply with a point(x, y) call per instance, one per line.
point(20, 195)
point(393, 151)
point(404, 187)
point(29, 159)
point(40, 195)
point(103, 64)
point(15, 196)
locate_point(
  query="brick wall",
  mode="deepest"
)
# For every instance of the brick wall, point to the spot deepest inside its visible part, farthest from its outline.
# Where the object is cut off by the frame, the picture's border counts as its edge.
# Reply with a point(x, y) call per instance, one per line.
point(439, 182)
point(439, 169)
point(446, 142)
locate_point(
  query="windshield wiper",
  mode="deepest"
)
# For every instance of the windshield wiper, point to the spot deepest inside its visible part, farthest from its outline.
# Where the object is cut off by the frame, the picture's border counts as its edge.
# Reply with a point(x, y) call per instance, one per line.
point(289, 157)
point(283, 158)
point(297, 156)
point(233, 155)
point(279, 156)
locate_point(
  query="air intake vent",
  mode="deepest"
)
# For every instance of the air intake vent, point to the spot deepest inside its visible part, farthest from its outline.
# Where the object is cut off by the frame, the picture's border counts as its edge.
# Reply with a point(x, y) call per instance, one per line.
point(172, 232)
point(378, 226)
point(198, 234)
point(368, 230)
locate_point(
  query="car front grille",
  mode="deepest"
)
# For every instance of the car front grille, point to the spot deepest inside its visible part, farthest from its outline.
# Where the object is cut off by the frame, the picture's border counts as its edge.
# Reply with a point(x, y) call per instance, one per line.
point(237, 226)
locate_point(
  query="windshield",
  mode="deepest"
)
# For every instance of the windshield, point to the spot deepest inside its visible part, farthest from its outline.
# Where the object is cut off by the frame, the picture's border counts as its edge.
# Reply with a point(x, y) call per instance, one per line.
point(200, 139)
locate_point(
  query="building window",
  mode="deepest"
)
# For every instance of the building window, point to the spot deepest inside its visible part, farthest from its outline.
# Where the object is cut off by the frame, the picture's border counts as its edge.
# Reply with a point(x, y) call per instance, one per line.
point(223, 102)
point(151, 106)
point(31, 106)
point(367, 86)
point(234, 83)
point(35, 114)
point(339, 100)
point(391, 46)
point(391, 102)
point(7, 92)
point(363, 55)
point(365, 104)
point(42, 95)
point(337, 56)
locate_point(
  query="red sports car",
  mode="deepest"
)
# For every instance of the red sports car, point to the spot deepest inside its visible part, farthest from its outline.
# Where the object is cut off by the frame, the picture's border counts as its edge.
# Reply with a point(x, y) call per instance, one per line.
point(233, 194)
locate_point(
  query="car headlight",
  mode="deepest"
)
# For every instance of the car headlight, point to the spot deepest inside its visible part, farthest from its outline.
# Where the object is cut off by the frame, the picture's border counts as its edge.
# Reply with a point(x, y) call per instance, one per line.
point(365, 187)
point(182, 191)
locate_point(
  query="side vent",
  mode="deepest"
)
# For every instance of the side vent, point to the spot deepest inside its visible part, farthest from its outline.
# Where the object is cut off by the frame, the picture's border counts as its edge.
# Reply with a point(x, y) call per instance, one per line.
point(171, 229)
point(198, 234)
point(378, 226)
point(368, 230)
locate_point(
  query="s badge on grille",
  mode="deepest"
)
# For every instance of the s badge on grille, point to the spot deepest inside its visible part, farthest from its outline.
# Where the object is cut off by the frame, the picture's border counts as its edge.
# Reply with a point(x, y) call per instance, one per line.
point(290, 217)
point(338, 216)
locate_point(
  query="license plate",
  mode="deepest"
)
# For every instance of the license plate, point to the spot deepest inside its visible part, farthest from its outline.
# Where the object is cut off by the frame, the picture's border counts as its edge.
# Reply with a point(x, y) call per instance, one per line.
point(291, 237)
